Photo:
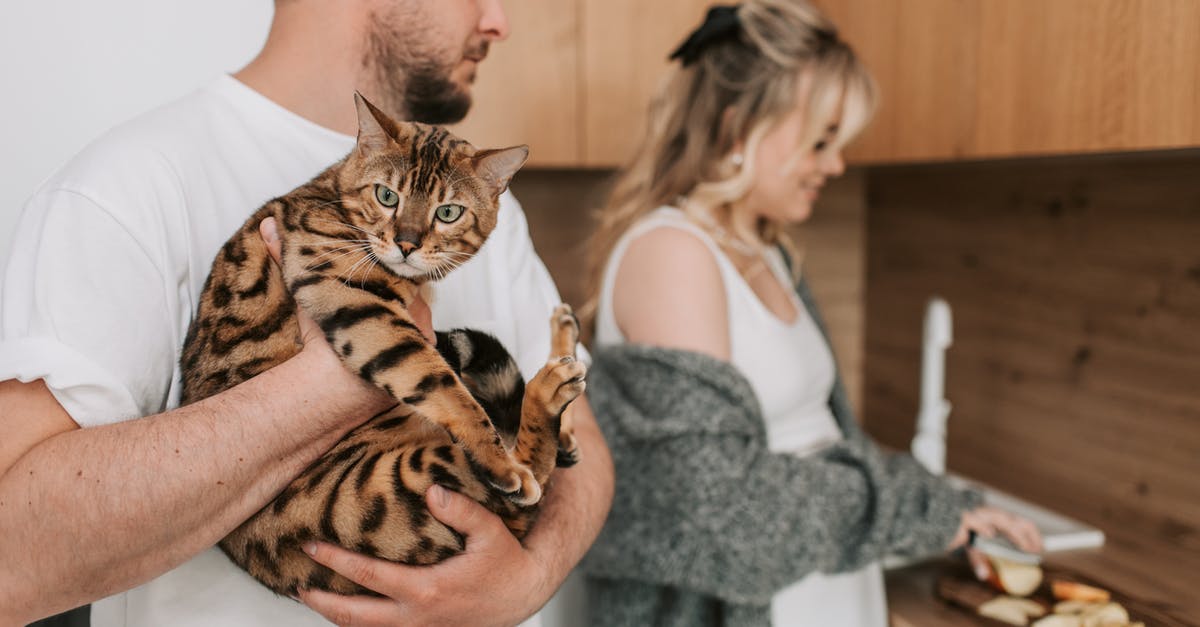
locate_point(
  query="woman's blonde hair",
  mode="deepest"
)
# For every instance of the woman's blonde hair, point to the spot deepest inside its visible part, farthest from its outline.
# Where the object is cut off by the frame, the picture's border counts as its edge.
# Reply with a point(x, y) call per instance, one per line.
point(735, 90)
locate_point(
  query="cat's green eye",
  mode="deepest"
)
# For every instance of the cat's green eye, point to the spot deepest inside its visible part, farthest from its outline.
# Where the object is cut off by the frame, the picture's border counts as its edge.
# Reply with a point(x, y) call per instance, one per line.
point(449, 213)
point(386, 197)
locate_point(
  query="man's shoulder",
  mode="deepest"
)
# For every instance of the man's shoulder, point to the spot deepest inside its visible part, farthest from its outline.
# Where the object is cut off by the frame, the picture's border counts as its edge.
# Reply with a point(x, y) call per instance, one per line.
point(139, 156)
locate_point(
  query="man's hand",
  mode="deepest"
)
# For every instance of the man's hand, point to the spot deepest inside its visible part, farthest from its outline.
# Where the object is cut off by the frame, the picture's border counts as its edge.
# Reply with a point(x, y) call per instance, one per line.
point(459, 591)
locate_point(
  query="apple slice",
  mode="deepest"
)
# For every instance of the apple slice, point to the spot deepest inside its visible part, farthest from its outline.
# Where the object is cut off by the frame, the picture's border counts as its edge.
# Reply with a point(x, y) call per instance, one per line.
point(1014, 578)
point(1059, 620)
point(1105, 616)
point(1011, 610)
point(1074, 591)
point(1074, 607)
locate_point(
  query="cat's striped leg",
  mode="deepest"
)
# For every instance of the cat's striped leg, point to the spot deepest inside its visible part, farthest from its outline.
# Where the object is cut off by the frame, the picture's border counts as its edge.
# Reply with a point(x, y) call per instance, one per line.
point(373, 333)
point(541, 438)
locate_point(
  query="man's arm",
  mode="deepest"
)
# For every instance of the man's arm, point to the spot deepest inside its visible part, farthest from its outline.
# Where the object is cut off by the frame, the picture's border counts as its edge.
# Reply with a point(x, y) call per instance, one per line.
point(90, 512)
point(497, 581)
point(84, 509)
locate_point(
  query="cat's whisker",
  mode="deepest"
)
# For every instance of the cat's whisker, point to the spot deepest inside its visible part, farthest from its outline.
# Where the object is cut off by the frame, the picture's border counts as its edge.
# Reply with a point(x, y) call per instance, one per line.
point(374, 262)
point(354, 245)
point(342, 241)
point(349, 274)
point(338, 257)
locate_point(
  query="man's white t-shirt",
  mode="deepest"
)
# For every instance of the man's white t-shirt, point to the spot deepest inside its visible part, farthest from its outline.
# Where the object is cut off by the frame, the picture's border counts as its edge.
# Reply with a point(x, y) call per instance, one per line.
point(111, 254)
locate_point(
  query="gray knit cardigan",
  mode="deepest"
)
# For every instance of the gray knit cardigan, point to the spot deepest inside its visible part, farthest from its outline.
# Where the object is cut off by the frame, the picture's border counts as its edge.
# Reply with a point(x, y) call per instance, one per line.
point(707, 524)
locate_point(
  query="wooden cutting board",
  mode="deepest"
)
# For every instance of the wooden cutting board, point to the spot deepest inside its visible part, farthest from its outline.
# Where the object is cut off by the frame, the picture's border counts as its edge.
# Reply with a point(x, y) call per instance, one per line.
point(957, 586)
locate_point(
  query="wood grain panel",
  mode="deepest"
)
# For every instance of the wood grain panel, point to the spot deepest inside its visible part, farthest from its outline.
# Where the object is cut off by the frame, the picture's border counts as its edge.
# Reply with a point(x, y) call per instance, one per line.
point(527, 91)
point(1087, 76)
point(922, 54)
point(1075, 286)
point(625, 47)
point(979, 78)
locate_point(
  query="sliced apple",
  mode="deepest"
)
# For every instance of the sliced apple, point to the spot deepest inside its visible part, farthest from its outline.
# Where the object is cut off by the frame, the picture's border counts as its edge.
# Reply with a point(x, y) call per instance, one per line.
point(1011, 610)
point(1059, 620)
point(1074, 591)
point(1074, 607)
point(1105, 615)
point(1014, 578)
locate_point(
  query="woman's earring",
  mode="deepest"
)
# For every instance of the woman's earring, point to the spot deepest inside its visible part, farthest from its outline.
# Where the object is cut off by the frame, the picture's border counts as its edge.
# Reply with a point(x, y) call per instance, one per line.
point(736, 159)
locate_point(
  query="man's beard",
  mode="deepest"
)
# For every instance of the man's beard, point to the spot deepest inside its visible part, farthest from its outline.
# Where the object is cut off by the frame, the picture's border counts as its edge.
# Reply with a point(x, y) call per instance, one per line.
point(412, 82)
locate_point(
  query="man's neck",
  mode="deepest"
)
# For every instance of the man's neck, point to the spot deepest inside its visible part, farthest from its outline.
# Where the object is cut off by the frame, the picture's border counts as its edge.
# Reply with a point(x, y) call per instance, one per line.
point(311, 65)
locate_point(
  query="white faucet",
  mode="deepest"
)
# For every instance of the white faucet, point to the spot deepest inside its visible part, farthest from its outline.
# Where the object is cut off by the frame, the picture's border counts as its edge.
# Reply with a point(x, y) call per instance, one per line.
point(929, 444)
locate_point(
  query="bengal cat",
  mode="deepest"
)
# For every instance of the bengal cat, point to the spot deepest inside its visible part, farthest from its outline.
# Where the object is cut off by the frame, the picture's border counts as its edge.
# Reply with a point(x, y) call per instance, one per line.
point(410, 203)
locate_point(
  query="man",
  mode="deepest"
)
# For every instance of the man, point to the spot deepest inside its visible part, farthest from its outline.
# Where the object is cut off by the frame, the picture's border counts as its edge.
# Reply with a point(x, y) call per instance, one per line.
point(110, 256)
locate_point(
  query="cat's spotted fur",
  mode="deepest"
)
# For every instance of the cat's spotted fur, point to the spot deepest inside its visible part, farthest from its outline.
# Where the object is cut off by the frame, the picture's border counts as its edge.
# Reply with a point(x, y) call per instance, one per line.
point(410, 203)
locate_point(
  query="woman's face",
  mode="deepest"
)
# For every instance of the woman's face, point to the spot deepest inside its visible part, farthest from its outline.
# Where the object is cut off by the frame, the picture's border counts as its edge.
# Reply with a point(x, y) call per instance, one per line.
point(790, 170)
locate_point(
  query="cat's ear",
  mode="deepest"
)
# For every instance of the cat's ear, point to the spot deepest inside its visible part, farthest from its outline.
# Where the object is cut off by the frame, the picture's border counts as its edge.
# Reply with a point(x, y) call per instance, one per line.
point(497, 167)
point(372, 126)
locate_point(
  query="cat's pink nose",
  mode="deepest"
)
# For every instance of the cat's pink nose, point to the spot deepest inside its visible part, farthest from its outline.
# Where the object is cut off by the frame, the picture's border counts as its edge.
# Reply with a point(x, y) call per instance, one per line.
point(407, 242)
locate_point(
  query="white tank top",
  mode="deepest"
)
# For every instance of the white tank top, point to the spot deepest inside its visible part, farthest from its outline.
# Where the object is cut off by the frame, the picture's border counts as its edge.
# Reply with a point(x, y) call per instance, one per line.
point(790, 368)
point(789, 365)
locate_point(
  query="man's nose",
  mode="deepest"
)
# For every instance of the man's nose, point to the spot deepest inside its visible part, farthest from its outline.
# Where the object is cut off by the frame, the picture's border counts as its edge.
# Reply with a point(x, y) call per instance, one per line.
point(493, 22)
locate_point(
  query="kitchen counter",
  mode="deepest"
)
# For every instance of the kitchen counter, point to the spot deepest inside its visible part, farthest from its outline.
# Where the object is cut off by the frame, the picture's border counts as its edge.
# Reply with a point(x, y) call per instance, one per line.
point(1157, 572)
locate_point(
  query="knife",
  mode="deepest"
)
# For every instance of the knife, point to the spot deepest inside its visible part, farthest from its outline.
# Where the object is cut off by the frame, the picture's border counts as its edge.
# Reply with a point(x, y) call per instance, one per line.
point(1002, 548)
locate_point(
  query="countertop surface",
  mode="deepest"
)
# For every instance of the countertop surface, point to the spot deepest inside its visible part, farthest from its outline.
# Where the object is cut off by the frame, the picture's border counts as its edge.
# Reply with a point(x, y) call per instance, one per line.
point(1157, 572)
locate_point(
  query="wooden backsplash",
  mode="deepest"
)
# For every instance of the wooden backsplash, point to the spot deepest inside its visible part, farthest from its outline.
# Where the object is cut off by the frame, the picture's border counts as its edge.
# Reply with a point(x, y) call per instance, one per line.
point(560, 207)
point(1075, 289)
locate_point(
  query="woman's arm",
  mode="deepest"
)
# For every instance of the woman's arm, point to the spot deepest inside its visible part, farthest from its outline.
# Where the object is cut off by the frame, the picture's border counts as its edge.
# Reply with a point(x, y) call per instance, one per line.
point(702, 504)
point(669, 293)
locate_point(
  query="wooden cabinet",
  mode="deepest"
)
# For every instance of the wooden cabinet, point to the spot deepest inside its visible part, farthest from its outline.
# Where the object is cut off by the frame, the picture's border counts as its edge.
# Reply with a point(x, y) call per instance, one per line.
point(999, 78)
point(575, 78)
point(960, 79)
point(625, 48)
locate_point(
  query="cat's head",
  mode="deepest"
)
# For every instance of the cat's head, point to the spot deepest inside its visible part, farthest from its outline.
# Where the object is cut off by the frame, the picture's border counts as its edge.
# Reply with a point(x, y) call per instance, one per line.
point(424, 199)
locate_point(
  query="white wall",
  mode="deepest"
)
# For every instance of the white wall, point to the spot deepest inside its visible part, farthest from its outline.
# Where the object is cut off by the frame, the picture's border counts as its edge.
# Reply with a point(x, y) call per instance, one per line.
point(70, 69)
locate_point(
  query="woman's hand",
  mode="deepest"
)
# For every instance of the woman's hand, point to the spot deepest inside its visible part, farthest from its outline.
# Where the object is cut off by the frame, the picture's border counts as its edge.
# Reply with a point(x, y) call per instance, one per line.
point(987, 521)
point(496, 581)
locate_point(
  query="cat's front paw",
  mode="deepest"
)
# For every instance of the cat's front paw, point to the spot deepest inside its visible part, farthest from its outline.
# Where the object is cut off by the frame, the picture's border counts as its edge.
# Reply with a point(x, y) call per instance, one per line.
point(566, 379)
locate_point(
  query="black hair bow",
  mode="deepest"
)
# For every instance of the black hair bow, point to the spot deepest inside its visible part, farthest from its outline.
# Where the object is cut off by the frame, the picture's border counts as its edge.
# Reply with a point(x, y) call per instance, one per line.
point(720, 23)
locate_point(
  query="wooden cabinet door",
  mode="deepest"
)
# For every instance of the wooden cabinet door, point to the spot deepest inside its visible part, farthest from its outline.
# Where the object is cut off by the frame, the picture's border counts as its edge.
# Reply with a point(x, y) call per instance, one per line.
point(625, 47)
point(528, 89)
point(1000, 78)
point(1087, 76)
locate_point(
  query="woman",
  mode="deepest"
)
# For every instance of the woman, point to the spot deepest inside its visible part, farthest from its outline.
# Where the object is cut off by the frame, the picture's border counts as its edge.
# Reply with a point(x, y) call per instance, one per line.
point(746, 493)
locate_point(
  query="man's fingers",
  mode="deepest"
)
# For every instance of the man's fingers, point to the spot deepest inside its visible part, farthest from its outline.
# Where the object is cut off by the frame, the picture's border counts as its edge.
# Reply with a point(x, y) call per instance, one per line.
point(465, 515)
point(352, 611)
point(362, 570)
point(270, 235)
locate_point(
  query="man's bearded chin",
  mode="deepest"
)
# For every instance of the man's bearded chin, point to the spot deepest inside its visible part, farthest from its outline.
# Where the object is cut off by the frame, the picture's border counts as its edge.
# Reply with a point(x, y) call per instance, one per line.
point(433, 98)
point(415, 87)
